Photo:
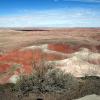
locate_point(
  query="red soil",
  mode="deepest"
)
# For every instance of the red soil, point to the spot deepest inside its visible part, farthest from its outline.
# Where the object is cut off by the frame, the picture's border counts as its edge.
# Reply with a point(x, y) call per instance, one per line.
point(64, 48)
point(52, 57)
point(95, 62)
point(98, 48)
point(4, 67)
point(26, 57)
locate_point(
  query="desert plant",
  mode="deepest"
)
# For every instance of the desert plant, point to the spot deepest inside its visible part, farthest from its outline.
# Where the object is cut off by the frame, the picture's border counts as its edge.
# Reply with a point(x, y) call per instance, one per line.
point(46, 78)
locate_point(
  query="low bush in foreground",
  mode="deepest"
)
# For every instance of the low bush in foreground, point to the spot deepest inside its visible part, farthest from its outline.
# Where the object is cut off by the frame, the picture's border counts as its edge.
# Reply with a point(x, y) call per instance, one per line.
point(45, 78)
point(50, 83)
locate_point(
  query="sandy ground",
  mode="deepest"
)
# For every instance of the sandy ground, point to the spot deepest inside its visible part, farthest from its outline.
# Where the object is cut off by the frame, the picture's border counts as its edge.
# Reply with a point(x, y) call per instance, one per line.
point(74, 50)
point(11, 39)
point(90, 97)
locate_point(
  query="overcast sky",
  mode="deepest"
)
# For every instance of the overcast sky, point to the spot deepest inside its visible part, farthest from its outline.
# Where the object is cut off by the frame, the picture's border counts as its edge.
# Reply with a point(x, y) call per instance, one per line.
point(49, 13)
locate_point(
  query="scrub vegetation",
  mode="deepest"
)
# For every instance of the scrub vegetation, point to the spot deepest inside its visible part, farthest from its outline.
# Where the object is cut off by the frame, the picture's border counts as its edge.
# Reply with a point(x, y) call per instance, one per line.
point(47, 83)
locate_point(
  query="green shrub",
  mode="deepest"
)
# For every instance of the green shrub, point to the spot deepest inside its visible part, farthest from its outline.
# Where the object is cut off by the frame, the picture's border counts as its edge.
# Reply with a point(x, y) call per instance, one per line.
point(46, 78)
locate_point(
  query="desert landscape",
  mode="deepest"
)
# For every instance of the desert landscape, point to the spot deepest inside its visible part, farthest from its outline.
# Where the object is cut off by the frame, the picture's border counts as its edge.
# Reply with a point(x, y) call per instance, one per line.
point(74, 47)
point(72, 50)
point(49, 49)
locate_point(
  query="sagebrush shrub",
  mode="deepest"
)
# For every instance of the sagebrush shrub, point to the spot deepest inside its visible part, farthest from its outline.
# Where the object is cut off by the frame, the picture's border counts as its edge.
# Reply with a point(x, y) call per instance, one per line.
point(47, 78)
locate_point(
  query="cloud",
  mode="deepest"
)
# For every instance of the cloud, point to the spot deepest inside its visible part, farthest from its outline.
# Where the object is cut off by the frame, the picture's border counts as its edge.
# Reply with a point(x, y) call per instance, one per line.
point(53, 18)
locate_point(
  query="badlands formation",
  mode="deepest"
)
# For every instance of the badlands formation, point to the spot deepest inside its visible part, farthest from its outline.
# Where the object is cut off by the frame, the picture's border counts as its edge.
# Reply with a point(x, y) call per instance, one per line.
point(76, 51)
